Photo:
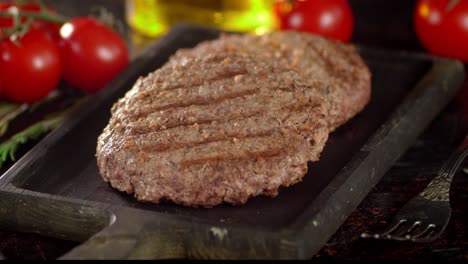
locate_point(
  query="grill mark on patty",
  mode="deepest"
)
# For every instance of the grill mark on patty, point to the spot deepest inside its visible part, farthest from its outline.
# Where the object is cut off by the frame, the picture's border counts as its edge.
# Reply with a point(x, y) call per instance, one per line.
point(291, 110)
point(285, 143)
point(248, 156)
point(197, 82)
point(208, 134)
point(278, 139)
point(145, 99)
point(320, 55)
point(155, 92)
point(267, 94)
point(349, 55)
point(146, 128)
point(199, 101)
point(338, 72)
point(296, 106)
point(218, 138)
point(229, 74)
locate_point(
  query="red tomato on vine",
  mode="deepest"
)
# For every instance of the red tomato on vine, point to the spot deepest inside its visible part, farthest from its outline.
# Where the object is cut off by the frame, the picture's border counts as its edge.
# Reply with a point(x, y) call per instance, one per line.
point(442, 27)
point(7, 22)
point(29, 68)
point(34, 55)
point(330, 18)
point(92, 53)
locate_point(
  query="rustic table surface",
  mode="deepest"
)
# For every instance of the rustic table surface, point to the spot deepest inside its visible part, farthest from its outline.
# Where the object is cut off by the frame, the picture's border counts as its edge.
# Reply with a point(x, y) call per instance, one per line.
point(379, 23)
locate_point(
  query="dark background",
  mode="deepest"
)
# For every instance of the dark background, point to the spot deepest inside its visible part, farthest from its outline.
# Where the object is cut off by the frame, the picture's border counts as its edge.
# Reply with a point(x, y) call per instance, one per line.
point(379, 23)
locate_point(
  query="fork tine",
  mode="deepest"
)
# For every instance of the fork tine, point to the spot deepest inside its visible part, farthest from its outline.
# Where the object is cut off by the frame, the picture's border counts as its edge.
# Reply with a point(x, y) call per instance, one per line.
point(400, 232)
point(425, 234)
point(396, 226)
point(413, 227)
point(432, 204)
point(386, 233)
point(405, 234)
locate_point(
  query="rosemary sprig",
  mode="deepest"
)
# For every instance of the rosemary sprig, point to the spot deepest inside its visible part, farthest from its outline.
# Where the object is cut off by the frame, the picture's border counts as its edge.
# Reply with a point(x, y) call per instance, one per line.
point(7, 107)
point(10, 111)
point(14, 111)
point(50, 97)
point(9, 147)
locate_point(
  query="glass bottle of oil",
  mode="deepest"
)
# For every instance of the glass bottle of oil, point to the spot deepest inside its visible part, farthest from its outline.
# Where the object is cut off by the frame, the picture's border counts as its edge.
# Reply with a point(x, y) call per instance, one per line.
point(154, 17)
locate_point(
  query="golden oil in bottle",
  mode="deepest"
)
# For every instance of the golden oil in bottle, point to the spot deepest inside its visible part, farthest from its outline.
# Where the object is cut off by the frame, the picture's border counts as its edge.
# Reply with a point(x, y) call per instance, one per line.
point(154, 17)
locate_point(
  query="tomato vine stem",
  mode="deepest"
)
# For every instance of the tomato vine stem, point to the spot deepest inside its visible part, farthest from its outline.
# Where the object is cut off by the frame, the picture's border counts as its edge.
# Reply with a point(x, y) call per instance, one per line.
point(43, 15)
point(21, 27)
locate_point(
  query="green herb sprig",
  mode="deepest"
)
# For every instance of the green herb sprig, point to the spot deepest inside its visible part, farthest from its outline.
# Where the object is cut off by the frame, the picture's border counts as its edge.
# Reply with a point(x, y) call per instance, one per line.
point(9, 147)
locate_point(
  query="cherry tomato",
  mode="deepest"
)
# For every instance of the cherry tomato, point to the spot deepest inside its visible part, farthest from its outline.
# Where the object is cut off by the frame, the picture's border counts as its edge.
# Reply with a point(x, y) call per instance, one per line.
point(51, 28)
point(30, 69)
point(8, 21)
point(330, 18)
point(442, 27)
point(31, 7)
point(5, 21)
point(92, 53)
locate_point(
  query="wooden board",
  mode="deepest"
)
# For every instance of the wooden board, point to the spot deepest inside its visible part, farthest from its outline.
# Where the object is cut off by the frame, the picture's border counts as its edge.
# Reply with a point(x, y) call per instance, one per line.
point(55, 189)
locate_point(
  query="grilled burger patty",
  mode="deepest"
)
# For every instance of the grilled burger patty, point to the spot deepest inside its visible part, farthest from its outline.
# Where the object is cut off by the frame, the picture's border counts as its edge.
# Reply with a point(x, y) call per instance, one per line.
point(218, 128)
point(232, 118)
point(312, 56)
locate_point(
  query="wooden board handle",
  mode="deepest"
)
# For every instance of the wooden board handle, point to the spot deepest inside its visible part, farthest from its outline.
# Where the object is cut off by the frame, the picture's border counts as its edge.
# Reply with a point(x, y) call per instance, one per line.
point(130, 235)
point(132, 239)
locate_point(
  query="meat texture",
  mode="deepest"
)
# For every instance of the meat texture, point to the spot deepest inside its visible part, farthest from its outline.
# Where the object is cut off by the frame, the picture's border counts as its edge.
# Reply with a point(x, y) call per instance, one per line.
point(217, 128)
point(313, 57)
point(232, 118)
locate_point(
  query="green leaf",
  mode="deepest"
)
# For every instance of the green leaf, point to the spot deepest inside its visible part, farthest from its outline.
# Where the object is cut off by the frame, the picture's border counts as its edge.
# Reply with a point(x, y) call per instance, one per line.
point(8, 148)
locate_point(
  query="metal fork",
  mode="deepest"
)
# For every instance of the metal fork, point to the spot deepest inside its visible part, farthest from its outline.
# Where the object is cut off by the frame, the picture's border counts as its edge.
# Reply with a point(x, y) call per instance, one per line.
point(424, 218)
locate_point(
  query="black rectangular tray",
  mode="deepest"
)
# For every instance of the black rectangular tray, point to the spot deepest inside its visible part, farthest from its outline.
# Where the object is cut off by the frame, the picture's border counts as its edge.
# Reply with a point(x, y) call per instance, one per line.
point(56, 190)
